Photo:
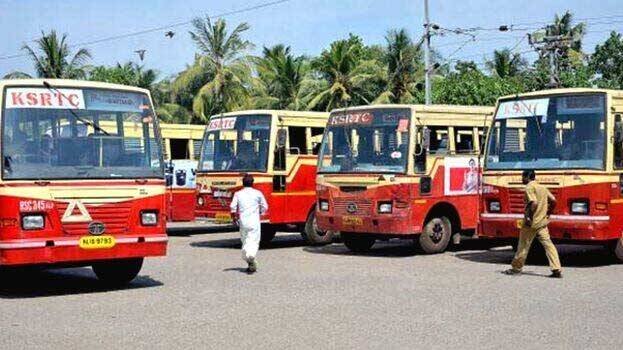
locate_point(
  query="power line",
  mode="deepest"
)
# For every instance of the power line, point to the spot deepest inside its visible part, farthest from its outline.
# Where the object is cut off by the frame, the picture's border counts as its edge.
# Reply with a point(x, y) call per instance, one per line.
point(156, 29)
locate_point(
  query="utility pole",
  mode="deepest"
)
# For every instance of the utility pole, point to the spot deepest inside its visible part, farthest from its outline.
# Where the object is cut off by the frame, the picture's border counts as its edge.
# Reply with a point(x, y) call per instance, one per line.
point(427, 82)
point(551, 47)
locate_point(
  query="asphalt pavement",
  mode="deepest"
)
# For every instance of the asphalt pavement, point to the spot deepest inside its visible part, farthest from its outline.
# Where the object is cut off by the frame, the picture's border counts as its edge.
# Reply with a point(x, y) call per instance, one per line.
point(320, 297)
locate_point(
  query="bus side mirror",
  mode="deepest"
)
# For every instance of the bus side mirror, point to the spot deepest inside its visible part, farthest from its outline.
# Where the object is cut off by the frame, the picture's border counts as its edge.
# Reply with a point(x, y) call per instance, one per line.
point(282, 135)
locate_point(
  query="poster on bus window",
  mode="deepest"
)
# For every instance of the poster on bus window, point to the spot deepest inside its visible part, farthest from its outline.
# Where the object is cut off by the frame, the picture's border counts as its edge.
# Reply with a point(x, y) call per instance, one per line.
point(461, 175)
point(183, 174)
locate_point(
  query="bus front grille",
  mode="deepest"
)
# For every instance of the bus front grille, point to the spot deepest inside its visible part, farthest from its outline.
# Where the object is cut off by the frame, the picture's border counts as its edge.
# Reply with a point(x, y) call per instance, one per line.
point(114, 216)
point(347, 206)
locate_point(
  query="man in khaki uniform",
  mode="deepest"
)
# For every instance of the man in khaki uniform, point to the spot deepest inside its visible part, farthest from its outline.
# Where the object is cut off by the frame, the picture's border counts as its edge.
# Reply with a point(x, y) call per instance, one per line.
point(539, 204)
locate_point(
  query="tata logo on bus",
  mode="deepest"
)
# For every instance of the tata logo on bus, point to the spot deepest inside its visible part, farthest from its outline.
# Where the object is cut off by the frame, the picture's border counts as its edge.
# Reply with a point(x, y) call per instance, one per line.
point(44, 98)
point(351, 118)
point(228, 123)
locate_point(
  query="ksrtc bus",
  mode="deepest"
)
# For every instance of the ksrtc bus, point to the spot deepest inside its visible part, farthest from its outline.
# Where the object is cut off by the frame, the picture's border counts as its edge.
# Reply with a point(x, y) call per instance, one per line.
point(401, 171)
point(182, 146)
point(82, 177)
point(279, 148)
point(573, 139)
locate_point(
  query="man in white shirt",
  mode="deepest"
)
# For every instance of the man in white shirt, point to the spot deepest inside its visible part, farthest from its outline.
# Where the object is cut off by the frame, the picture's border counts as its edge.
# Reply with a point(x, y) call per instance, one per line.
point(246, 207)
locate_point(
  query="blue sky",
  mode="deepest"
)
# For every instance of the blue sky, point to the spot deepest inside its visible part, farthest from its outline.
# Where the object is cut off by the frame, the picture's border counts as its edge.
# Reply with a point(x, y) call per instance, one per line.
point(307, 26)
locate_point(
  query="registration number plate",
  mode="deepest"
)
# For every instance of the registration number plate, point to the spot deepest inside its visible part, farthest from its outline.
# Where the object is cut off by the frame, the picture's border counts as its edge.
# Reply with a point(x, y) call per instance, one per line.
point(223, 218)
point(97, 242)
point(352, 220)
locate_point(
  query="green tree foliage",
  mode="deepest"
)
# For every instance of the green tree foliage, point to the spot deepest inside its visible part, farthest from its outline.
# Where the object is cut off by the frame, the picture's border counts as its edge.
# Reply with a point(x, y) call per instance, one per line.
point(281, 76)
point(404, 68)
point(607, 62)
point(129, 73)
point(53, 58)
point(348, 68)
point(220, 66)
point(506, 64)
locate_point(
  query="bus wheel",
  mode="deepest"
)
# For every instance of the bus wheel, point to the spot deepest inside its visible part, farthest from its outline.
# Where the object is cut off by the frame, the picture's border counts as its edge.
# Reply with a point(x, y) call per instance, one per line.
point(436, 235)
point(268, 233)
point(314, 235)
point(118, 272)
point(617, 249)
point(357, 243)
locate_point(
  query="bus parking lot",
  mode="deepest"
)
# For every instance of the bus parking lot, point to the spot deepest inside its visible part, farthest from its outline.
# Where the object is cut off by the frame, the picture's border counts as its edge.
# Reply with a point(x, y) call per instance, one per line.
point(320, 297)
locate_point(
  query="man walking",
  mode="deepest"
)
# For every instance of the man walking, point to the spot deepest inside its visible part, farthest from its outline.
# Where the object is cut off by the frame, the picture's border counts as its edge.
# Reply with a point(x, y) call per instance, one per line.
point(539, 204)
point(246, 207)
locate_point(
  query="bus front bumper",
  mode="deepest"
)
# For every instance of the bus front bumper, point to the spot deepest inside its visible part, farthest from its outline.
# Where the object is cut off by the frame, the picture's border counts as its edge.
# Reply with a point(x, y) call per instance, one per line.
point(67, 250)
point(561, 227)
point(396, 224)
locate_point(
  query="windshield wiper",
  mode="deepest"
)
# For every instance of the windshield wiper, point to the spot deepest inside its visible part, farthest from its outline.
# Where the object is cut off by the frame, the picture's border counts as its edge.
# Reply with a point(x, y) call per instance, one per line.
point(536, 119)
point(73, 113)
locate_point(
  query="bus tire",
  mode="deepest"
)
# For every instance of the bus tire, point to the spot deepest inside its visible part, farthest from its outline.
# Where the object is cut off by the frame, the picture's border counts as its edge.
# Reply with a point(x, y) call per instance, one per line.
point(117, 272)
point(357, 243)
point(617, 249)
point(312, 234)
point(268, 233)
point(436, 235)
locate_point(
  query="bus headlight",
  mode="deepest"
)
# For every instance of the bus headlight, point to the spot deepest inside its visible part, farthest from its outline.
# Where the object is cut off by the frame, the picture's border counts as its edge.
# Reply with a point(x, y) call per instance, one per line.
point(579, 207)
point(385, 207)
point(32, 222)
point(149, 218)
point(494, 207)
point(323, 205)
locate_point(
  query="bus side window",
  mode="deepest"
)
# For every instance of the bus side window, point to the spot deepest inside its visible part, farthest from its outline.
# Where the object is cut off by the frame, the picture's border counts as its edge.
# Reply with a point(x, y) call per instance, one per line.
point(464, 140)
point(618, 141)
point(279, 164)
point(438, 140)
point(316, 134)
point(298, 140)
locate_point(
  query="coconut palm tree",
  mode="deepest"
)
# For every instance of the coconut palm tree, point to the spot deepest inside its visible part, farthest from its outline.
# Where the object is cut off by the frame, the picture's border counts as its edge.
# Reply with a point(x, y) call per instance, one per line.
point(404, 69)
point(346, 74)
point(563, 25)
point(281, 76)
point(53, 58)
point(220, 67)
point(506, 64)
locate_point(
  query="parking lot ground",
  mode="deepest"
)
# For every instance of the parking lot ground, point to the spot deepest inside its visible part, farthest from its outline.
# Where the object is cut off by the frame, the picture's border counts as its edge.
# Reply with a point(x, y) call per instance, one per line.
point(320, 297)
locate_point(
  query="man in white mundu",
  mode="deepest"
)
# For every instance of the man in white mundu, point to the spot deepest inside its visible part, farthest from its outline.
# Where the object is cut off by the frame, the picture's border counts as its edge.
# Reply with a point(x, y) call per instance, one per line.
point(246, 207)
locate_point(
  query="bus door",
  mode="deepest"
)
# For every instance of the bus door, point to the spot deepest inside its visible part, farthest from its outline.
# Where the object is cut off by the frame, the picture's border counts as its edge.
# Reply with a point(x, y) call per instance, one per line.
point(278, 202)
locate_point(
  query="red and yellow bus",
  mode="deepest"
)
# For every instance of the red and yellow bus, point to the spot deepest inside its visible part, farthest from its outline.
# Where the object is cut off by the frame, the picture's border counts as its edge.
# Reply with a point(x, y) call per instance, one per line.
point(573, 139)
point(279, 148)
point(82, 177)
point(182, 145)
point(400, 171)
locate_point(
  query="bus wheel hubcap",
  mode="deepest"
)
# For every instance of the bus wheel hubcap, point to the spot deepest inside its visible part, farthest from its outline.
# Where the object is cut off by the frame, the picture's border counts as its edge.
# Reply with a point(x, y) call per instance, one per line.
point(437, 231)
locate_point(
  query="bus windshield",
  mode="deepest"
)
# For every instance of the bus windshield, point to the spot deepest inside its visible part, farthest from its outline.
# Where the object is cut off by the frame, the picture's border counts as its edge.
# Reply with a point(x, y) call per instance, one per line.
point(556, 132)
point(78, 134)
point(236, 143)
point(373, 140)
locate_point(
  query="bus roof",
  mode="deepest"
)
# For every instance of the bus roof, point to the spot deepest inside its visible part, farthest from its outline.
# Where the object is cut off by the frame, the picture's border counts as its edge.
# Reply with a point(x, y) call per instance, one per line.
point(287, 118)
point(69, 83)
point(562, 91)
point(427, 108)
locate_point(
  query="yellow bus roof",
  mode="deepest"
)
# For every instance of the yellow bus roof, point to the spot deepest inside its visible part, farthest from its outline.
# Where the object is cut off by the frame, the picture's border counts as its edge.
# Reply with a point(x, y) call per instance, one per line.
point(69, 83)
point(562, 91)
point(439, 115)
point(287, 118)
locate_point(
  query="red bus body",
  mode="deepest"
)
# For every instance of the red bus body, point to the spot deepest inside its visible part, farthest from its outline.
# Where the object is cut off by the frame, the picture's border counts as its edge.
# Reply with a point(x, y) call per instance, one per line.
point(581, 116)
point(289, 188)
point(352, 202)
point(84, 220)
